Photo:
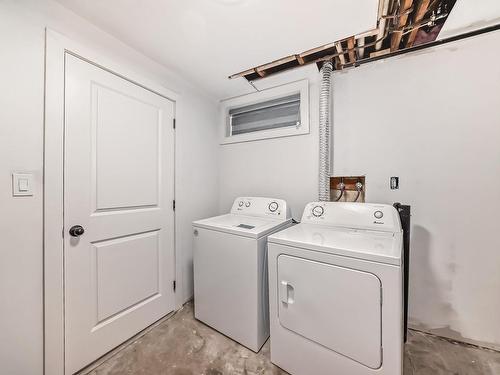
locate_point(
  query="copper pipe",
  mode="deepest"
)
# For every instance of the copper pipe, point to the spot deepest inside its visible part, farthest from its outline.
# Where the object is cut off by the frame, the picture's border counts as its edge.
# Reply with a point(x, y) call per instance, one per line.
point(359, 48)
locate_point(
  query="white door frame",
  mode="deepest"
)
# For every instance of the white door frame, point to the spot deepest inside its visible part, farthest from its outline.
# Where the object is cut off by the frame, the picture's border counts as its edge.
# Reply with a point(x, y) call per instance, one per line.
point(56, 46)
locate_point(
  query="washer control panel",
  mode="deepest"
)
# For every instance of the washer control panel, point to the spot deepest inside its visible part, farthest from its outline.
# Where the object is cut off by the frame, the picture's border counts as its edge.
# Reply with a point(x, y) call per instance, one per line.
point(273, 206)
point(381, 217)
point(259, 206)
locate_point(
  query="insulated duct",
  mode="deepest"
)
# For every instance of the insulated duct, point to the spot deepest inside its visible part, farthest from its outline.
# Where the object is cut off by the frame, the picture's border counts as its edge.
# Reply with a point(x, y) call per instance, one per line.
point(324, 131)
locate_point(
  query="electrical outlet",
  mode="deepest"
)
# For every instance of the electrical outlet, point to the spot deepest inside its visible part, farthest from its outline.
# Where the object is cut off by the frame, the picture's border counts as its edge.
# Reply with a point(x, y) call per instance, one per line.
point(394, 183)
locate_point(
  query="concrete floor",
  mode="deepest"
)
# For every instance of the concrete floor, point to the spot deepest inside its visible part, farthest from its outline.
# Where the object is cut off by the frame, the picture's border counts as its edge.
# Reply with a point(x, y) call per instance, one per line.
point(181, 345)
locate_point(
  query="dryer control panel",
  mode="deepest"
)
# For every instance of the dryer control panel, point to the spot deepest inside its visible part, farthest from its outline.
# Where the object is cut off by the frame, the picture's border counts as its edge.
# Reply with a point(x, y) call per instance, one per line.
point(368, 216)
point(261, 207)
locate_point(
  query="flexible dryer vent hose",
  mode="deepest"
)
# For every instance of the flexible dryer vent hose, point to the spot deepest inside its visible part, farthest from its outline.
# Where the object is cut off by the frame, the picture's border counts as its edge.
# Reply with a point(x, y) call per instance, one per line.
point(324, 131)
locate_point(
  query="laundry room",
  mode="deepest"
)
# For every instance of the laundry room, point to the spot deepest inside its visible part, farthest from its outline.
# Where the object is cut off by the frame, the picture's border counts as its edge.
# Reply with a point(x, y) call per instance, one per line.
point(249, 187)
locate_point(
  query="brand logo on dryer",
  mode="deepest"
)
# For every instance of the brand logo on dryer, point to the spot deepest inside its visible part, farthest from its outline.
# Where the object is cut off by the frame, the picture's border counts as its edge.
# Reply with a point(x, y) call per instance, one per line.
point(378, 215)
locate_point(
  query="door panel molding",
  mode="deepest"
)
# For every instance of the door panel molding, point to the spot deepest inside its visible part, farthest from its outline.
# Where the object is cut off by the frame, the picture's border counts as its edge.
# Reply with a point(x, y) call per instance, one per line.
point(56, 46)
point(101, 264)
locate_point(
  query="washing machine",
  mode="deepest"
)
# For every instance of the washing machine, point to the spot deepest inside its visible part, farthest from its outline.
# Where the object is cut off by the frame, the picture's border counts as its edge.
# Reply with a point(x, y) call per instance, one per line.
point(230, 268)
point(336, 291)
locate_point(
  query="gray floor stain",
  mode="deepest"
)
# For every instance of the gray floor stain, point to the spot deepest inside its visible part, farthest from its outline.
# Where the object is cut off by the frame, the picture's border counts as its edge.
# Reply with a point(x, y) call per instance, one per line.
point(183, 346)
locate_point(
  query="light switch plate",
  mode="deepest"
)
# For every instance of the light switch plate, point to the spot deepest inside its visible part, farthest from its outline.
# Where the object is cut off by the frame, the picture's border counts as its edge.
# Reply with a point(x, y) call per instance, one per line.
point(22, 184)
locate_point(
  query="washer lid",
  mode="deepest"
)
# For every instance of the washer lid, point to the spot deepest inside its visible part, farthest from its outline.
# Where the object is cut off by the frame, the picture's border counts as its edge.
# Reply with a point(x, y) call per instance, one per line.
point(248, 226)
point(377, 246)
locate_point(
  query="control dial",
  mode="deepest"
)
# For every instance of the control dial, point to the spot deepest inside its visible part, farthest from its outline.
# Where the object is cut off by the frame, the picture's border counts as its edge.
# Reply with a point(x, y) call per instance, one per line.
point(247, 204)
point(240, 204)
point(378, 214)
point(273, 206)
point(318, 211)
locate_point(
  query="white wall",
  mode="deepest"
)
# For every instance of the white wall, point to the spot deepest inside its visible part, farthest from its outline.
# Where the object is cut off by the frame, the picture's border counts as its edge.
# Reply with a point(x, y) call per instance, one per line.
point(196, 179)
point(433, 119)
point(22, 24)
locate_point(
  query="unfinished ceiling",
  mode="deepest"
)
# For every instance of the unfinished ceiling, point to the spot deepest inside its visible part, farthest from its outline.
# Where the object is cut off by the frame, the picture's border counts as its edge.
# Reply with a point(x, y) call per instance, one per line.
point(207, 40)
point(401, 24)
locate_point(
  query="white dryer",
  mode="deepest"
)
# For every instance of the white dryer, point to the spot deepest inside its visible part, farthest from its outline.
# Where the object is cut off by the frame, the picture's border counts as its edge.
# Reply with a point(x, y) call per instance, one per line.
point(230, 268)
point(336, 291)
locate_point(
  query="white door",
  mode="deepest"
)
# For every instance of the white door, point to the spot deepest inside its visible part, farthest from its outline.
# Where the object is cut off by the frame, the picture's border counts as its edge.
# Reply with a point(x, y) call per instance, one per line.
point(336, 307)
point(119, 187)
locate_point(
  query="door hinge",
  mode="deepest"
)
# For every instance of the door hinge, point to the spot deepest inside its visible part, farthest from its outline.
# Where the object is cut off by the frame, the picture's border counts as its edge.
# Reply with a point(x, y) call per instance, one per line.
point(173, 123)
point(173, 205)
point(174, 285)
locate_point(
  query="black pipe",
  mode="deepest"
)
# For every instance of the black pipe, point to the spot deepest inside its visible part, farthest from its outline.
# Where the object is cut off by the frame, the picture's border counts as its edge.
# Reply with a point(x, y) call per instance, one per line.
point(425, 45)
point(405, 215)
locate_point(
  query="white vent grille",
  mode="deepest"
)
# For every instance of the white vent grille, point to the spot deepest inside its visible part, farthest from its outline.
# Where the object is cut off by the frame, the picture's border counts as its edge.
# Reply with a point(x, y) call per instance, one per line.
point(275, 112)
point(271, 114)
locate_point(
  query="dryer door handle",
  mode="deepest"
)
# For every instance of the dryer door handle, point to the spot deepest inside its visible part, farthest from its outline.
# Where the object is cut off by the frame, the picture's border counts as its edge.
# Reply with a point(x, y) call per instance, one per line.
point(286, 292)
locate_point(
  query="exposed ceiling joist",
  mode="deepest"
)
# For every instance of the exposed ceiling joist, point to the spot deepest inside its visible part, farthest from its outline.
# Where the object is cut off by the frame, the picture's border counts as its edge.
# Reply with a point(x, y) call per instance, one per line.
point(382, 20)
point(340, 51)
point(350, 45)
point(402, 24)
point(422, 9)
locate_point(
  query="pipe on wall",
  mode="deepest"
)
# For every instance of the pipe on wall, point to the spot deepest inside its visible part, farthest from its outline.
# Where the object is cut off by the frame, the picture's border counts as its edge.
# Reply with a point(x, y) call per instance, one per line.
point(324, 131)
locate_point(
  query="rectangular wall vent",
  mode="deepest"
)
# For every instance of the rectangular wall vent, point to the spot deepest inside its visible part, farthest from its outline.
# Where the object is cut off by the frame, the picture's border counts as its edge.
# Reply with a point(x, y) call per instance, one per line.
point(270, 114)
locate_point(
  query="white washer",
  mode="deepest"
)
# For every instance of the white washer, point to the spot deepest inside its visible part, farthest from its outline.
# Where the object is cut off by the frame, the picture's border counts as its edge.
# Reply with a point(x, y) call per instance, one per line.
point(336, 291)
point(230, 268)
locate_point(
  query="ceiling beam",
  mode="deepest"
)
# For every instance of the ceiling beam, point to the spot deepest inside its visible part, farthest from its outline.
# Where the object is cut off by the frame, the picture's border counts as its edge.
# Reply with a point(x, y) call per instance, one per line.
point(402, 20)
point(382, 20)
point(341, 57)
point(419, 15)
point(352, 52)
point(398, 18)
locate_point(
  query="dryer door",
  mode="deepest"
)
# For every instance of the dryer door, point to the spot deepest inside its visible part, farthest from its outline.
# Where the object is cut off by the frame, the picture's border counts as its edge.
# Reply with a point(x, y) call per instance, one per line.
point(336, 307)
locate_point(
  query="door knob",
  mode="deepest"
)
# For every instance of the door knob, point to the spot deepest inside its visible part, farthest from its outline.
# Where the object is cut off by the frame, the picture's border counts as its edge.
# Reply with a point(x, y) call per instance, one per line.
point(76, 231)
